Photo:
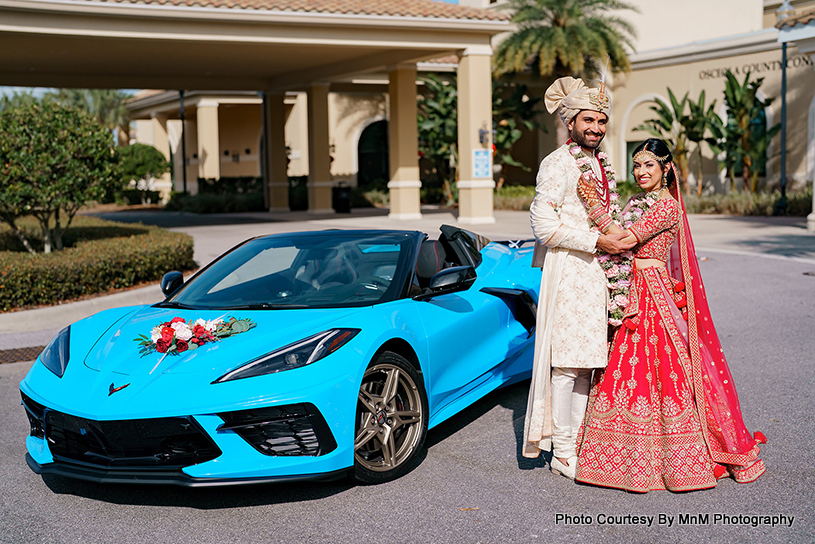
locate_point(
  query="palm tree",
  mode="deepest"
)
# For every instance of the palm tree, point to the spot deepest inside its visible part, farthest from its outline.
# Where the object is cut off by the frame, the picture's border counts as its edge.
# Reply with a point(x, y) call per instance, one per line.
point(745, 110)
point(565, 37)
point(697, 123)
point(106, 105)
point(670, 125)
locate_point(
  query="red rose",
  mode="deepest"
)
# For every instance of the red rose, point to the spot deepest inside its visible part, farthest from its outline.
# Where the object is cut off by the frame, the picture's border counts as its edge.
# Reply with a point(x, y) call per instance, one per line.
point(167, 334)
point(177, 320)
point(181, 345)
point(199, 331)
point(679, 286)
point(162, 345)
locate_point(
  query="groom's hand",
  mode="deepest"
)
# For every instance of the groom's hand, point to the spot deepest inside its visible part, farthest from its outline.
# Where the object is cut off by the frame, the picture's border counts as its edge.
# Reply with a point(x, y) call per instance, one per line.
point(613, 243)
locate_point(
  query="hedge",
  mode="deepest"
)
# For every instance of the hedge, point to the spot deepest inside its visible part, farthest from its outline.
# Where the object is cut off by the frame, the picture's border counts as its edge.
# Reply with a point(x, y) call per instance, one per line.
point(95, 264)
point(799, 203)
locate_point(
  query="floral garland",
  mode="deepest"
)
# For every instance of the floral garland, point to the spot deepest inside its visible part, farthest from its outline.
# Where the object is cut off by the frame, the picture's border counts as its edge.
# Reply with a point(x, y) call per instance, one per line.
point(617, 268)
point(178, 335)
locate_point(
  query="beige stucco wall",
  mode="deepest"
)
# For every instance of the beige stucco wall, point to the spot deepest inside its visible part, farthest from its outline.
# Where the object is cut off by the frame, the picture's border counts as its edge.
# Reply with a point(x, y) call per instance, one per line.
point(240, 132)
point(633, 98)
point(349, 115)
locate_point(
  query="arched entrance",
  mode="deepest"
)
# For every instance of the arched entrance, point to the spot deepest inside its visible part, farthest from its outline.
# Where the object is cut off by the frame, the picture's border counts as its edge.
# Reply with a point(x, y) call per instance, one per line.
point(372, 156)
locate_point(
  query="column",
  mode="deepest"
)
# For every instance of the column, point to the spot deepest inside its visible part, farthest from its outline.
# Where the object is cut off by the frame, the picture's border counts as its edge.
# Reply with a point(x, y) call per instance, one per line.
point(475, 183)
point(403, 144)
point(275, 161)
point(164, 184)
point(319, 155)
point(209, 151)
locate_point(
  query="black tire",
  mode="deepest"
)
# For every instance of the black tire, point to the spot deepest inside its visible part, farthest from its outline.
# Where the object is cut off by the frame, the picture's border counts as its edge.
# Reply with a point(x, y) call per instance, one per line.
point(391, 420)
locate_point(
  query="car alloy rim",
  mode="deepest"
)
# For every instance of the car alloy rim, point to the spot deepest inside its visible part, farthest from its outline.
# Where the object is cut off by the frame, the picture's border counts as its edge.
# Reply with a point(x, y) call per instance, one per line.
point(389, 418)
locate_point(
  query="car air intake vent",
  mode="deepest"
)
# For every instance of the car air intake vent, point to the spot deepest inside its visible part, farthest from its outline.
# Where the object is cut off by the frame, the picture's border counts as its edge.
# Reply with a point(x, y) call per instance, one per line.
point(34, 411)
point(168, 442)
point(294, 429)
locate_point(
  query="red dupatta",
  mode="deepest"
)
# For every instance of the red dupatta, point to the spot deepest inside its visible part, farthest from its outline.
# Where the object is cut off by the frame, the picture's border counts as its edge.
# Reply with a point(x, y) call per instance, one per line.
point(728, 439)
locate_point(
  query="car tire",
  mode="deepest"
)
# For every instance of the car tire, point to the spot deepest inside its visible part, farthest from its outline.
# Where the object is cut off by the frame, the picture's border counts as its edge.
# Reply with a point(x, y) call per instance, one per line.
point(391, 420)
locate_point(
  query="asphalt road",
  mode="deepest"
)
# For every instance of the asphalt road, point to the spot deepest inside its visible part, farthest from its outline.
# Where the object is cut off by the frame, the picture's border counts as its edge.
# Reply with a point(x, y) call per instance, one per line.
point(473, 485)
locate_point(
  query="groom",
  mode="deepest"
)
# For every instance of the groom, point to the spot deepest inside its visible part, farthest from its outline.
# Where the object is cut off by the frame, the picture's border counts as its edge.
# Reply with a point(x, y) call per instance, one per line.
point(572, 322)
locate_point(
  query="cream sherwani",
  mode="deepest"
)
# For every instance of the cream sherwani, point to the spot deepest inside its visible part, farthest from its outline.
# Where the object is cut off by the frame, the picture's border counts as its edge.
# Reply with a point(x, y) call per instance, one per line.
point(572, 317)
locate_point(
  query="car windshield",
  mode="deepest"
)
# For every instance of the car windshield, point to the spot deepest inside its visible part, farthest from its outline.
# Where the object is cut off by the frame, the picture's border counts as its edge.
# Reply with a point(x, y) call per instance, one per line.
point(307, 270)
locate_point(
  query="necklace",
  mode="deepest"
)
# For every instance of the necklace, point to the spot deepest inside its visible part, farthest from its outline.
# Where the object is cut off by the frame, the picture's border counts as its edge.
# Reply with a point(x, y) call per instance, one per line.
point(607, 186)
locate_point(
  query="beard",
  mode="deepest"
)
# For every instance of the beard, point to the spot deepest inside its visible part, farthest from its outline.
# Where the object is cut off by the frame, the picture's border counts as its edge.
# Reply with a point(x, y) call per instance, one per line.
point(580, 139)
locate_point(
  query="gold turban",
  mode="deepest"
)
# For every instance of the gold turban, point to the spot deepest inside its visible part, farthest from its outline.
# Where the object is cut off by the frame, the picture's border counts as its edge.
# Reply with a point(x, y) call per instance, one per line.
point(572, 95)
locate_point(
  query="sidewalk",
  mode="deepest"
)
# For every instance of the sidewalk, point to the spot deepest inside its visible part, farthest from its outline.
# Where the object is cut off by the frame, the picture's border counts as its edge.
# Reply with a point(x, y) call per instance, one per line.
point(764, 237)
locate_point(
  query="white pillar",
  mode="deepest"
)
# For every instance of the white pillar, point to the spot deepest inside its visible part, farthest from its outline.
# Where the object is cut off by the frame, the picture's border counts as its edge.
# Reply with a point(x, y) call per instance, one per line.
point(475, 183)
point(164, 184)
point(403, 142)
point(319, 153)
point(209, 150)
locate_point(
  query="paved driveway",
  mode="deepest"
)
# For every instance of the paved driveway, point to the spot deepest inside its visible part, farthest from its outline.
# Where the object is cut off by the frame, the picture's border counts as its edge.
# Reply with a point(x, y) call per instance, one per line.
point(473, 485)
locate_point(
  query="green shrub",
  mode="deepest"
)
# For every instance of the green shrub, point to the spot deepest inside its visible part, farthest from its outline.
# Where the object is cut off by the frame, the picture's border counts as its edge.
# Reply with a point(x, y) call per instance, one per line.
point(134, 197)
point(799, 203)
point(230, 185)
point(102, 255)
point(514, 197)
point(216, 203)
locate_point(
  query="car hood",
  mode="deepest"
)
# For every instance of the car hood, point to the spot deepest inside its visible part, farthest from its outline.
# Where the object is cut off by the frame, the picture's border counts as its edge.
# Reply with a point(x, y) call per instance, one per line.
point(119, 349)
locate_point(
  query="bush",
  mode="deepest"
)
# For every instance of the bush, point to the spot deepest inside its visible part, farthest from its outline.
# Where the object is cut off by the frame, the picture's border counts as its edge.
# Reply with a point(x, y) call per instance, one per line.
point(746, 203)
point(134, 197)
point(514, 197)
point(104, 255)
point(216, 203)
point(230, 185)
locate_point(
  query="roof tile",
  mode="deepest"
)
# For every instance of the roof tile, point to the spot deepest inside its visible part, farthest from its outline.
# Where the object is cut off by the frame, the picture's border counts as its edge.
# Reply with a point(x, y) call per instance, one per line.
point(397, 8)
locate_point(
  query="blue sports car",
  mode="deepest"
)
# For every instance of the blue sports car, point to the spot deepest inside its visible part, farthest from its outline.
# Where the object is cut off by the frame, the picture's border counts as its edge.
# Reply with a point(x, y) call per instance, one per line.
point(301, 356)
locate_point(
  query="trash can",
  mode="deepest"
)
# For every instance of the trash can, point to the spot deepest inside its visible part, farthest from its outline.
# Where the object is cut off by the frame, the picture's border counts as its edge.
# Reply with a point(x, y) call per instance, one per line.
point(341, 198)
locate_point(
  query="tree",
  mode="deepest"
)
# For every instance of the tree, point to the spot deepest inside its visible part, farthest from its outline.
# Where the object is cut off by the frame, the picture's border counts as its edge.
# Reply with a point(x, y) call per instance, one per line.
point(18, 98)
point(108, 106)
point(141, 163)
point(53, 160)
point(745, 115)
point(513, 111)
point(670, 124)
point(438, 131)
point(699, 122)
point(565, 37)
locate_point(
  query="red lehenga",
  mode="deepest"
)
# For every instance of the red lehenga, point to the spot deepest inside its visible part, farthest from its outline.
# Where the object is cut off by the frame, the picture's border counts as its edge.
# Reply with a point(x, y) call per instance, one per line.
point(665, 414)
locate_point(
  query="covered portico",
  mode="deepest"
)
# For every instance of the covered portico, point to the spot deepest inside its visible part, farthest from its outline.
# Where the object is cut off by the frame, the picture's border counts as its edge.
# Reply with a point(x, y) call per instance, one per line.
point(271, 47)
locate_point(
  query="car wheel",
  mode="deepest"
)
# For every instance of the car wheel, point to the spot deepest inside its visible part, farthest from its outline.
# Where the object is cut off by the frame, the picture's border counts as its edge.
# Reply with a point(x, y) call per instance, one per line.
point(391, 420)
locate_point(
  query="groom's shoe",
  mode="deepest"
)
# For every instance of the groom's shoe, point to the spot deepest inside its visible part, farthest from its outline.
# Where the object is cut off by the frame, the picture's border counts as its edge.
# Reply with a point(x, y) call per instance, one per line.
point(563, 470)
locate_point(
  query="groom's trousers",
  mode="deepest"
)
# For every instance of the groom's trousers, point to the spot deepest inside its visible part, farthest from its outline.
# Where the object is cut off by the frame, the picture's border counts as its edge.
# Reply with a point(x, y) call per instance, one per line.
point(570, 393)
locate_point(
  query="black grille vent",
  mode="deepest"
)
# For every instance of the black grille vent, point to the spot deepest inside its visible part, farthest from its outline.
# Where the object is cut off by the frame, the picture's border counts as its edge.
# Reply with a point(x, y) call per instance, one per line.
point(34, 411)
point(294, 429)
point(166, 443)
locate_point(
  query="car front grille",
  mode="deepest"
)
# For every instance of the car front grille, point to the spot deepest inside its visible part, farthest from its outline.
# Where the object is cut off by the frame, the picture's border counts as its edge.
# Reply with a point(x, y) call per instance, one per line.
point(168, 442)
point(291, 430)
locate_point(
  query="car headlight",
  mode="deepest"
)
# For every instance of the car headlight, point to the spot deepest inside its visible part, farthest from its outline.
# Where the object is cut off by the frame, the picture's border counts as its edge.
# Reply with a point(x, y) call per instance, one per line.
point(55, 354)
point(302, 353)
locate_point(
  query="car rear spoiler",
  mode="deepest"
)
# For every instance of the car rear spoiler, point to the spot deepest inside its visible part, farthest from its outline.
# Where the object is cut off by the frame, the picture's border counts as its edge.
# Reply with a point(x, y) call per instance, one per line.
point(514, 244)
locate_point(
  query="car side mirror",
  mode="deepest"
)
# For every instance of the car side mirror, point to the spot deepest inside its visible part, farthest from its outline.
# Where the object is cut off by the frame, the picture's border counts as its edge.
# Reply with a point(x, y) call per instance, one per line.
point(171, 282)
point(449, 280)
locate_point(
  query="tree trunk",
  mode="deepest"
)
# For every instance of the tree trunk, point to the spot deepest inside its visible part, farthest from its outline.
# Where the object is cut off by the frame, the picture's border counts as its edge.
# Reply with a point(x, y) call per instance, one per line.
point(23, 240)
point(699, 179)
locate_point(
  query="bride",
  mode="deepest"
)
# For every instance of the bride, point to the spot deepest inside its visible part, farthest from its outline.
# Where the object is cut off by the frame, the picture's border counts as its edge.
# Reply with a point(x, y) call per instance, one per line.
point(665, 414)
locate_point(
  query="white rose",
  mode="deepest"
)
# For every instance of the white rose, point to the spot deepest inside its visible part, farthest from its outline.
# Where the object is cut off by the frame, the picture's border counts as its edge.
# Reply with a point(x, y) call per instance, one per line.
point(182, 331)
